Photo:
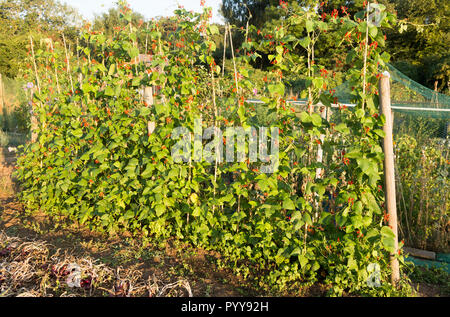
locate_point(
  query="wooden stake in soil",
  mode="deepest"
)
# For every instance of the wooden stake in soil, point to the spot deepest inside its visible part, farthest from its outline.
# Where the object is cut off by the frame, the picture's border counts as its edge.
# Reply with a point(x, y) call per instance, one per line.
point(1, 95)
point(33, 119)
point(234, 62)
point(224, 50)
point(68, 62)
point(389, 174)
point(34, 64)
point(366, 44)
point(56, 69)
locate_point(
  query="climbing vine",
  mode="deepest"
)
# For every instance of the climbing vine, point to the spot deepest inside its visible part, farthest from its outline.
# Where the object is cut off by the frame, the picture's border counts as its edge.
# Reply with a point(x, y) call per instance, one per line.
point(315, 218)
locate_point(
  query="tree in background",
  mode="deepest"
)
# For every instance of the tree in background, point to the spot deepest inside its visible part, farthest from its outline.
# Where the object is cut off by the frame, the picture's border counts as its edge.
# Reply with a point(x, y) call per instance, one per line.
point(425, 46)
point(266, 16)
point(40, 18)
point(110, 20)
point(419, 48)
point(237, 12)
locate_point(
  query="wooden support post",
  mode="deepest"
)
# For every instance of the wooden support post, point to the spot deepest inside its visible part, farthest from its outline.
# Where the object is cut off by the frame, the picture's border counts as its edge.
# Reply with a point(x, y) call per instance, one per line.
point(388, 146)
point(392, 119)
point(232, 55)
point(323, 114)
point(148, 95)
point(224, 50)
point(148, 99)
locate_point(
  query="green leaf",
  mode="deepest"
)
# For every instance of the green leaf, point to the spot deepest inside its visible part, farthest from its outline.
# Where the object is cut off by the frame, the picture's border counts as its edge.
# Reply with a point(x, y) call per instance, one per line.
point(112, 69)
point(356, 221)
point(358, 207)
point(303, 260)
point(78, 133)
point(196, 212)
point(388, 243)
point(213, 29)
point(241, 113)
point(86, 87)
point(109, 91)
point(315, 266)
point(136, 81)
point(128, 215)
point(318, 82)
point(359, 113)
point(279, 259)
point(309, 26)
point(280, 49)
point(385, 57)
point(133, 52)
point(325, 99)
point(160, 108)
point(340, 220)
point(277, 88)
point(101, 67)
point(159, 209)
point(372, 233)
point(148, 172)
point(364, 165)
point(144, 111)
point(263, 185)
point(342, 127)
point(319, 189)
point(387, 232)
point(305, 117)
point(373, 31)
point(70, 200)
point(288, 204)
point(304, 42)
point(295, 252)
point(352, 264)
point(316, 119)
point(370, 202)
point(307, 218)
point(356, 153)
point(380, 133)
point(173, 173)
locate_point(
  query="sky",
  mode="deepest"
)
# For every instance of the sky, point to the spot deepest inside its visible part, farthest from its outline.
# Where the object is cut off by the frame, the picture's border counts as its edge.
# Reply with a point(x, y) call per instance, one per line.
point(148, 8)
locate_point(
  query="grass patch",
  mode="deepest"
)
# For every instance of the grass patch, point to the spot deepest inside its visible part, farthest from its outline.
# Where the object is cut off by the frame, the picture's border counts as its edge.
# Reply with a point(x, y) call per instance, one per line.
point(433, 276)
point(12, 138)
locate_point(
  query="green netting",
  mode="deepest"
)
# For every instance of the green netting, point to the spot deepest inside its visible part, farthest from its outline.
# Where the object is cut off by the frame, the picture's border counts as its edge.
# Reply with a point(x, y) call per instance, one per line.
point(429, 264)
point(422, 151)
point(443, 257)
point(407, 96)
point(420, 111)
point(415, 99)
point(343, 93)
point(407, 92)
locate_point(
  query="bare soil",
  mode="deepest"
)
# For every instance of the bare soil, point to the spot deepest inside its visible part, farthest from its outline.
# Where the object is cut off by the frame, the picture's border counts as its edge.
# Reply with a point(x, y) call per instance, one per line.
point(149, 263)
